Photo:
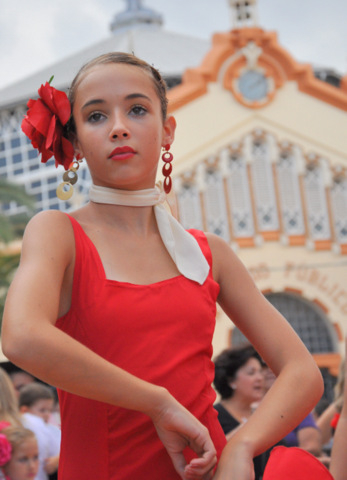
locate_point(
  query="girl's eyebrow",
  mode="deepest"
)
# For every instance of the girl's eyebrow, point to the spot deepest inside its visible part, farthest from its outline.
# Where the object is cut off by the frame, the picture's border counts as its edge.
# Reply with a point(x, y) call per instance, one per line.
point(92, 102)
point(128, 97)
point(137, 95)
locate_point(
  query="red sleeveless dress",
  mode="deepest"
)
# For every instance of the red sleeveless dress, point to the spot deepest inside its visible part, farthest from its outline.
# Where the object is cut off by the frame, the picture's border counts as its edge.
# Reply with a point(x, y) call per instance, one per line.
point(161, 333)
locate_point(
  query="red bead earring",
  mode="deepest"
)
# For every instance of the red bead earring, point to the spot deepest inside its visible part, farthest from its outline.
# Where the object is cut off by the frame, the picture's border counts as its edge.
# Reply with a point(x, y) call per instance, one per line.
point(167, 158)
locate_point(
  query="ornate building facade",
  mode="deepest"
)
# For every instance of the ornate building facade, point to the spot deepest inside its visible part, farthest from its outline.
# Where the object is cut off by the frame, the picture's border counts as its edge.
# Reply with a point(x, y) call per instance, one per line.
point(264, 165)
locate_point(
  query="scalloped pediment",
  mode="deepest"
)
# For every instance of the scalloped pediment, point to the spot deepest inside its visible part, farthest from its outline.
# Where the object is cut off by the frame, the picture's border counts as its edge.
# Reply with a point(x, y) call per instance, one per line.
point(231, 52)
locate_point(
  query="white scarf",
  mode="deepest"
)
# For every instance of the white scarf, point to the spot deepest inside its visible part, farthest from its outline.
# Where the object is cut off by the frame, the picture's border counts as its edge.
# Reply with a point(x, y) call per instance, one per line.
point(181, 245)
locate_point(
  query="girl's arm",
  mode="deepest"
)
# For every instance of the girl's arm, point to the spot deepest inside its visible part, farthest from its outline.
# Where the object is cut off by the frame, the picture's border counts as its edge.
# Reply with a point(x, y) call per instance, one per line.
point(299, 384)
point(39, 294)
point(324, 422)
point(309, 438)
point(338, 462)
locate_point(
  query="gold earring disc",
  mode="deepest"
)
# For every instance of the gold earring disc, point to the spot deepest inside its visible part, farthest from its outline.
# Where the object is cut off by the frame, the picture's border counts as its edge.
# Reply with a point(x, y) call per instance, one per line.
point(64, 194)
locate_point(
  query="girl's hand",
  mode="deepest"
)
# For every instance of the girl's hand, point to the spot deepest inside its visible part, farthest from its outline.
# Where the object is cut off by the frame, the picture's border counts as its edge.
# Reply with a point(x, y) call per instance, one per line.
point(51, 464)
point(178, 429)
point(236, 463)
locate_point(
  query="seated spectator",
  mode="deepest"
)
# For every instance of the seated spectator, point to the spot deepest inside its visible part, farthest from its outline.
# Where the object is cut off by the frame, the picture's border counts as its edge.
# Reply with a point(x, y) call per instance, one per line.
point(36, 402)
point(240, 382)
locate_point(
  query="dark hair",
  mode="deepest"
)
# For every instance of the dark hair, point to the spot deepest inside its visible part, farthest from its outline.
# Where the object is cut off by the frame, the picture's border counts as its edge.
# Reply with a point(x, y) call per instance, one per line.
point(33, 392)
point(128, 59)
point(227, 365)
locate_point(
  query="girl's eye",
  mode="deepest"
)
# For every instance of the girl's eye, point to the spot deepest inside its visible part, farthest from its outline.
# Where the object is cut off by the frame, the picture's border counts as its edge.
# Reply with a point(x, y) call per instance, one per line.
point(27, 459)
point(95, 117)
point(138, 110)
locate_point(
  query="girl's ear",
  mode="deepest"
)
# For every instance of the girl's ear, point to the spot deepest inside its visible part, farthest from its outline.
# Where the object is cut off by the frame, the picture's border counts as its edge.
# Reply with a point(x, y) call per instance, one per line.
point(169, 131)
point(72, 137)
point(77, 148)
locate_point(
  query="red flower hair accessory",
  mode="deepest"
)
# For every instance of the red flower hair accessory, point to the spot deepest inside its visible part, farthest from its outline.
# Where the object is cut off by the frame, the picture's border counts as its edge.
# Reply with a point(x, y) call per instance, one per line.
point(44, 125)
point(5, 450)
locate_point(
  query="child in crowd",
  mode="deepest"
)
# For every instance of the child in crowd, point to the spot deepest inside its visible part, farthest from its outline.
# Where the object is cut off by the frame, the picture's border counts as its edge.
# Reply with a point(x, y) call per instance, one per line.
point(120, 301)
point(20, 378)
point(36, 403)
point(18, 453)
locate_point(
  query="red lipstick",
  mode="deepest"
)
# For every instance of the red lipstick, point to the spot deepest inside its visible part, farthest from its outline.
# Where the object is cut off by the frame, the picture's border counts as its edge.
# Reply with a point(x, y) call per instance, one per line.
point(122, 153)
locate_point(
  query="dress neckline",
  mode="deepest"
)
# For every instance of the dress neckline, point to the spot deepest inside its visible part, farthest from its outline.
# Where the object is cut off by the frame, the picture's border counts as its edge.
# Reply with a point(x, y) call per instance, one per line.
point(101, 268)
point(182, 247)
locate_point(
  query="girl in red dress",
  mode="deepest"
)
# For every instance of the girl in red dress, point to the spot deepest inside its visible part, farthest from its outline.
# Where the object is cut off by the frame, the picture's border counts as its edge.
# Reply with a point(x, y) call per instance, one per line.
point(115, 304)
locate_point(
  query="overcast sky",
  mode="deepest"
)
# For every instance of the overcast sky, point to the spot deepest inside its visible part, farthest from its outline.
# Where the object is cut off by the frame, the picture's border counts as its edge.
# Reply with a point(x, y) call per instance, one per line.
point(36, 33)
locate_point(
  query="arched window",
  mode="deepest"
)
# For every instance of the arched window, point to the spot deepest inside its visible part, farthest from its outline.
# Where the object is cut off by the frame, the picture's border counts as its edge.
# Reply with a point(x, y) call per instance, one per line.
point(289, 193)
point(215, 204)
point(316, 203)
point(309, 322)
point(339, 208)
point(239, 195)
point(263, 186)
point(189, 207)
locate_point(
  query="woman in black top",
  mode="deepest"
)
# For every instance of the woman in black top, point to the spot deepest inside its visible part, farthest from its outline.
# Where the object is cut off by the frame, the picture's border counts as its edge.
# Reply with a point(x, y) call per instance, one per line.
point(240, 382)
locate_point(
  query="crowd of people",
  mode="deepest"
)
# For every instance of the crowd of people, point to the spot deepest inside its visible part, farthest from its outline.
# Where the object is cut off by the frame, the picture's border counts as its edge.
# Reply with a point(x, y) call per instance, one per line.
point(30, 437)
point(29, 433)
point(242, 380)
point(114, 304)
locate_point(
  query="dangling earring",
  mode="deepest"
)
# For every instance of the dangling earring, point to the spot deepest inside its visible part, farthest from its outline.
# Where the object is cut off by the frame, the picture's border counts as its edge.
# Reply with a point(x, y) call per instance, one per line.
point(167, 158)
point(70, 177)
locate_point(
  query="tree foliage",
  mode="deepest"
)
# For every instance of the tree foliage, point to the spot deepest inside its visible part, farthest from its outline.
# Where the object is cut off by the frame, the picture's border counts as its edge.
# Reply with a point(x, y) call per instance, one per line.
point(11, 228)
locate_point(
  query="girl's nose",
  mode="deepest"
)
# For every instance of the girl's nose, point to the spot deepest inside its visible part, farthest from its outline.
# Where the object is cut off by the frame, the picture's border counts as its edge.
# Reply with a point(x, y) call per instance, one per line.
point(33, 463)
point(119, 128)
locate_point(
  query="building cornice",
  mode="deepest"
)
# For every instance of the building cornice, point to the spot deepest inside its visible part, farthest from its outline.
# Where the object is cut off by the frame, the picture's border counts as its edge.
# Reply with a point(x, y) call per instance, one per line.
point(227, 47)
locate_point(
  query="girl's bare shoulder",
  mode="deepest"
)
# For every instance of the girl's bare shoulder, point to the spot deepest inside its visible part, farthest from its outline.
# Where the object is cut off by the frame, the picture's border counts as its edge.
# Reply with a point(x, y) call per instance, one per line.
point(219, 248)
point(47, 216)
point(47, 230)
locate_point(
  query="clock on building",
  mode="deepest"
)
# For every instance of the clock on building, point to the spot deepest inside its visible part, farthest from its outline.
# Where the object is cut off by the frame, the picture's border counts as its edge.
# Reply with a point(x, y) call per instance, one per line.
point(252, 86)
